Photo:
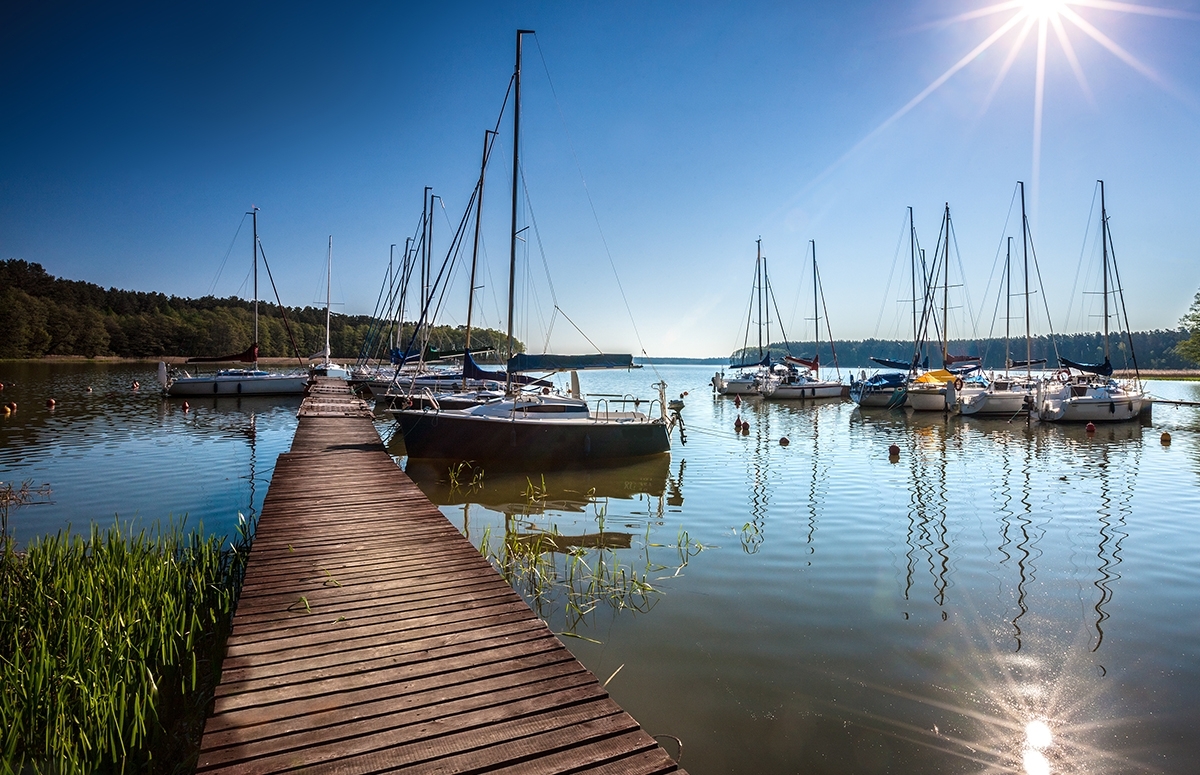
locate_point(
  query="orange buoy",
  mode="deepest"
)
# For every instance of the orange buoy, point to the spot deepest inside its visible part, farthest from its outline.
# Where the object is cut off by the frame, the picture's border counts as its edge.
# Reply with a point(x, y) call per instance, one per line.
point(49, 403)
point(737, 424)
point(1090, 427)
point(894, 451)
point(12, 405)
point(1, 385)
point(745, 429)
point(784, 441)
point(1165, 439)
point(186, 406)
point(737, 400)
point(4, 411)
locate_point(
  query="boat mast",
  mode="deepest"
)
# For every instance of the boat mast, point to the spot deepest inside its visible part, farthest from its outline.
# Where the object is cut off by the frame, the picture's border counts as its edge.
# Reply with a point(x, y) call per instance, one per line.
point(912, 265)
point(1007, 303)
point(328, 281)
point(1025, 254)
point(946, 293)
point(512, 251)
point(758, 273)
point(475, 252)
point(254, 214)
point(816, 314)
point(1104, 247)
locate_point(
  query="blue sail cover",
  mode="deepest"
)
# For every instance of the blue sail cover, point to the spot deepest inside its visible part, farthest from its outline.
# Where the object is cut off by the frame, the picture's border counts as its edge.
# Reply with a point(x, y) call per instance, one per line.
point(1101, 369)
point(525, 362)
point(904, 365)
point(471, 370)
point(766, 361)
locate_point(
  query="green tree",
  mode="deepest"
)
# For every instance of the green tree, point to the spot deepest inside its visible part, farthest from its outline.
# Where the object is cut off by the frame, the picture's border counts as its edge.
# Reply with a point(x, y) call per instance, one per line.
point(1190, 348)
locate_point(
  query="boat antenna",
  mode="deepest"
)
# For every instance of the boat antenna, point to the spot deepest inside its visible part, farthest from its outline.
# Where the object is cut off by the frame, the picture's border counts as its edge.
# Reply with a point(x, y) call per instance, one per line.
point(512, 252)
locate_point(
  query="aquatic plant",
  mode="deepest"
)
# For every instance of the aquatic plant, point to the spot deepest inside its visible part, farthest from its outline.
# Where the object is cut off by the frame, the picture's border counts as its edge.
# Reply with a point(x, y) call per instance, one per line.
point(12, 497)
point(110, 647)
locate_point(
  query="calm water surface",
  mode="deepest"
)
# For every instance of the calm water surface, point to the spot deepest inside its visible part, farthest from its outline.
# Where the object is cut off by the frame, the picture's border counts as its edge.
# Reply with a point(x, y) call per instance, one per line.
point(1001, 598)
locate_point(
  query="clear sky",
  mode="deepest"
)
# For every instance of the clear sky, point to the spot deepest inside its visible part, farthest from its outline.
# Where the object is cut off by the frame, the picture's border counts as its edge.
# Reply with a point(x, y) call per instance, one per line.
point(659, 141)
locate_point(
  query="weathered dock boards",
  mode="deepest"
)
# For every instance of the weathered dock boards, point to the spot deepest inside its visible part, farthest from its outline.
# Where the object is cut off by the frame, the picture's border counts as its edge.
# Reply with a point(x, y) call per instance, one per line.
point(372, 637)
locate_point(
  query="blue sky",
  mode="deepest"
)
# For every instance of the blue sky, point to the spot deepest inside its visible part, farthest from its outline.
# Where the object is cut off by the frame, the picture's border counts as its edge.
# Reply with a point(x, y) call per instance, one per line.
point(659, 141)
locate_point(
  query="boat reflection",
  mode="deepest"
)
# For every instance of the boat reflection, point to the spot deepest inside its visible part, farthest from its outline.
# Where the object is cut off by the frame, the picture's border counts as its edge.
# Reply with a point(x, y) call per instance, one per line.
point(551, 536)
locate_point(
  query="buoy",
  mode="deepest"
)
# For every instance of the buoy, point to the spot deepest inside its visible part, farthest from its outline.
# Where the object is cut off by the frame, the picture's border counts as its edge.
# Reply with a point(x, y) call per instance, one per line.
point(186, 406)
point(784, 441)
point(745, 429)
point(737, 424)
point(4, 411)
point(1090, 427)
point(136, 385)
point(1, 385)
point(894, 451)
point(49, 403)
point(1165, 439)
point(89, 388)
point(737, 400)
point(12, 406)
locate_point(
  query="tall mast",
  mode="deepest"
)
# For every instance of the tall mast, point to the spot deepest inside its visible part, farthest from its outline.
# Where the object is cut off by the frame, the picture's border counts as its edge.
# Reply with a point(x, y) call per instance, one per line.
point(912, 265)
point(254, 213)
point(391, 287)
point(1025, 254)
point(475, 252)
point(1104, 247)
point(328, 282)
point(816, 314)
point(946, 293)
point(767, 298)
point(516, 171)
point(1007, 303)
point(758, 272)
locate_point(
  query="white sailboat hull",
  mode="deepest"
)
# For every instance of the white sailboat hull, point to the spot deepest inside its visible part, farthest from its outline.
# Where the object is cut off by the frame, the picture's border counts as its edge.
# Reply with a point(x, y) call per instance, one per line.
point(247, 384)
point(998, 402)
point(927, 399)
point(738, 386)
point(804, 390)
point(1090, 403)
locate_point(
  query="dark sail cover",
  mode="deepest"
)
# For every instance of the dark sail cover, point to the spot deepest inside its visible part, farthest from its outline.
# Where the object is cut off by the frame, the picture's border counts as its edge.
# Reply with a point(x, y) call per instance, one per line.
point(471, 370)
point(249, 356)
point(1022, 364)
point(891, 364)
point(766, 361)
point(1101, 369)
point(813, 363)
point(951, 359)
point(526, 362)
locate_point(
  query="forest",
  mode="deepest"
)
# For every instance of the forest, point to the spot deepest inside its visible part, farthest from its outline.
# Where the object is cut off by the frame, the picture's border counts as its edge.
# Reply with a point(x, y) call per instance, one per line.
point(44, 315)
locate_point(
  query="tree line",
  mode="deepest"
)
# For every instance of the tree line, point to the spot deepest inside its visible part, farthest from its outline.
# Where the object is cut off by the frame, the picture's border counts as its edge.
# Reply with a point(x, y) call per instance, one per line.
point(1154, 350)
point(44, 315)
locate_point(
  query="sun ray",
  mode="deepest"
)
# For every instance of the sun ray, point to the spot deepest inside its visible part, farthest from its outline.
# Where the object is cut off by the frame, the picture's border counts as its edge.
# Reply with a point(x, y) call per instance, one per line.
point(1018, 44)
point(1113, 47)
point(978, 13)
point(1145, 10)
point(1069, 50)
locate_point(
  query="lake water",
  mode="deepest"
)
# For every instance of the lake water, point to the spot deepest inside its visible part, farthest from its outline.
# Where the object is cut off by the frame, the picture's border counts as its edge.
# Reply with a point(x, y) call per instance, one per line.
point(1001, 598)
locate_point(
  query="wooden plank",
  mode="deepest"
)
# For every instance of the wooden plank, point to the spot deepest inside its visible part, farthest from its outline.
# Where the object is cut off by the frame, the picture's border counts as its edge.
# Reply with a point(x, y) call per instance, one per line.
point(371, 636)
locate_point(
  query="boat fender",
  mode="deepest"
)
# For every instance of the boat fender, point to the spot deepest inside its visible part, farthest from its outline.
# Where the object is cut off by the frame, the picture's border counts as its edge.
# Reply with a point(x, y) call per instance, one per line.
point(1090, 427)
point(239, 387)
point(958, 383)
point(1165, 439)
point(1112, 407)
point(215, 387)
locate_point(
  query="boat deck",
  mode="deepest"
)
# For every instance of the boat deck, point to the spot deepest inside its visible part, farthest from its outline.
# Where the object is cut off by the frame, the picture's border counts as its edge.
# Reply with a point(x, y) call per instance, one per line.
point(371, 636)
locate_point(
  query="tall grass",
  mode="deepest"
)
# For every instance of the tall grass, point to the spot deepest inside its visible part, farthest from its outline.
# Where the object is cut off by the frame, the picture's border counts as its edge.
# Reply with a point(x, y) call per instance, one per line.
point(110, 647)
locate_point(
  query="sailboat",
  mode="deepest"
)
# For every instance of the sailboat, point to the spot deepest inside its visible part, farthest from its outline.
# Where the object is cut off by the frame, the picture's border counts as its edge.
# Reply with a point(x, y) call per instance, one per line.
point(937, 391)
point(1006, 396)
point(252, 381)
point(542, 427)
point(1093, 395)
point(327, 368)
point(794, 383)
point(889, 388)
point(750, 373)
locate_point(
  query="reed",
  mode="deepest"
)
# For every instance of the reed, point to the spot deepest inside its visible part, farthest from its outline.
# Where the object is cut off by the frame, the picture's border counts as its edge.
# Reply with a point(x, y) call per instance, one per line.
point(110, 647)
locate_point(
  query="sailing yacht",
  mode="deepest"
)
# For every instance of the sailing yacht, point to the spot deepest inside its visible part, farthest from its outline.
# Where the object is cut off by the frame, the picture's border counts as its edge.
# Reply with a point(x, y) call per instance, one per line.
point(750, 373)
point(252, 381)
point(541, 428)
point(1008, 395)
point(1093, 395)
point(327, 368)
point(793, 383)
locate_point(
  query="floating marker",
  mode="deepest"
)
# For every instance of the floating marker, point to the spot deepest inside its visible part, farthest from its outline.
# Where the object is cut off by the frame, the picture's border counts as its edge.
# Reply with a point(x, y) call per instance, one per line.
point(49, 403)
point(784, 441)
point(1165, 439)
point(737, 400)
point(186, 406)
point(745, 428)
point(894, 451)
point(1090, 427)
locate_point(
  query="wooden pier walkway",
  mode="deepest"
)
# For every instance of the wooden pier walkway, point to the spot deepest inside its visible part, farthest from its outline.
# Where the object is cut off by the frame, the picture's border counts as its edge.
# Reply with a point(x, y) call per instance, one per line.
point(371, 636)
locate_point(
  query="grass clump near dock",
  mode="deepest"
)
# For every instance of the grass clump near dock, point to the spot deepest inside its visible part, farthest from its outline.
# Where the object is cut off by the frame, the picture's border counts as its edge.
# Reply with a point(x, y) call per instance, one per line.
point(110, 647)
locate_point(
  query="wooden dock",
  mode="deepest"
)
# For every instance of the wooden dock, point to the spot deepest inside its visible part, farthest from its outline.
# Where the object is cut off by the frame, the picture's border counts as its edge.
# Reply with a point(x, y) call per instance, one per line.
point(371, 636)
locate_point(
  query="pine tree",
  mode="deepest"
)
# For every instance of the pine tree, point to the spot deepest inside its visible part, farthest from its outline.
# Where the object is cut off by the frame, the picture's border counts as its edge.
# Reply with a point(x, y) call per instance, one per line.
point(1190, 348)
